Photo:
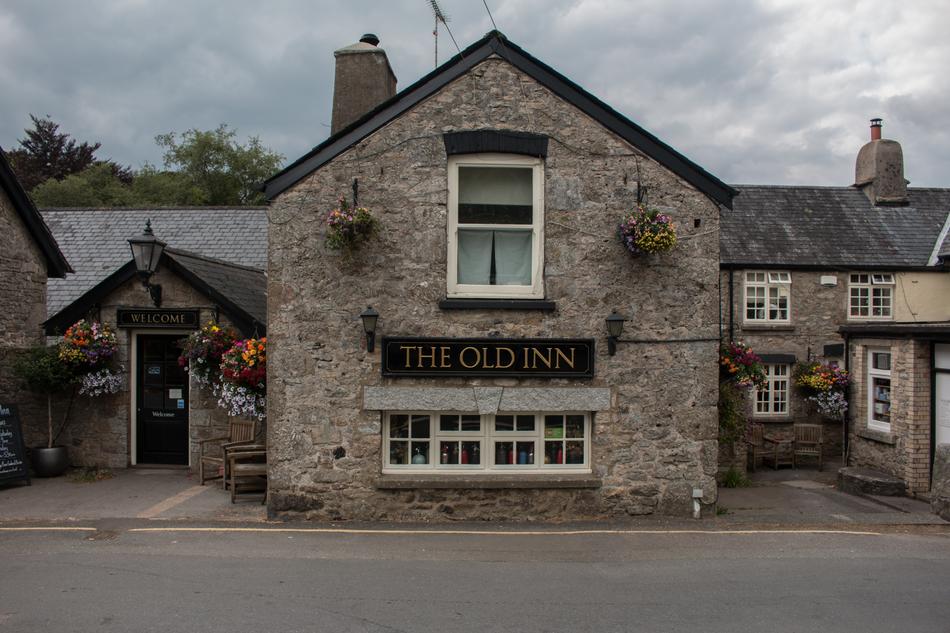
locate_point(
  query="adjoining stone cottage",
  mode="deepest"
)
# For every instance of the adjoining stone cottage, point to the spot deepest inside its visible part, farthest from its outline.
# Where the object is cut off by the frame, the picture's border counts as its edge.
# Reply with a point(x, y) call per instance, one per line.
point(452, 415)
point(29, 255)
point(211, 270)
point(856, 276)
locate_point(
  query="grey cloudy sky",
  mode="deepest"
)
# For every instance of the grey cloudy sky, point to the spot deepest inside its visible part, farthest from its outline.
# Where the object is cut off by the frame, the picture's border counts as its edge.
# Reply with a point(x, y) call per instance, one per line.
point(768, 91)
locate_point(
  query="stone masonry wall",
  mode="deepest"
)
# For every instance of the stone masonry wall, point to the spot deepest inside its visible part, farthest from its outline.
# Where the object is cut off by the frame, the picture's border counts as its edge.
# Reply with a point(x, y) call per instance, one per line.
point(815, 314)
point(905, 451)
point(22, 311)
point(657, 441)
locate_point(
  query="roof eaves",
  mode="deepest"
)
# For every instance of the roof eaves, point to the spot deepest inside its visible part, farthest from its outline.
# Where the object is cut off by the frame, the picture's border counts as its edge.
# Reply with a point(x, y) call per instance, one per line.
point(56, 264)
point(78, 308)
point(496, 43)
point(941, 245)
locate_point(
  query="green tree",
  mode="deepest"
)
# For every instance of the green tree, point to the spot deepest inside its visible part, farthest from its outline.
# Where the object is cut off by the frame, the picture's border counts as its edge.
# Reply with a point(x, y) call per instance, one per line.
point(214, 163)
point(48, 154)
point(97, 186)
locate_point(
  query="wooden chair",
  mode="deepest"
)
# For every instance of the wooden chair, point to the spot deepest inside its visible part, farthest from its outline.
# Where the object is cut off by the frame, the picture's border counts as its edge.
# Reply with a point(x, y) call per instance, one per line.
point(762, 446)
point(808, 442)
point(247, 470)
point(213, 464)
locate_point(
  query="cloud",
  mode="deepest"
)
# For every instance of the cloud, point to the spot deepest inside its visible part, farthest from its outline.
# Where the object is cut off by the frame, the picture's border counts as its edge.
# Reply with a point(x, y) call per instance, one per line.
point(773, 91)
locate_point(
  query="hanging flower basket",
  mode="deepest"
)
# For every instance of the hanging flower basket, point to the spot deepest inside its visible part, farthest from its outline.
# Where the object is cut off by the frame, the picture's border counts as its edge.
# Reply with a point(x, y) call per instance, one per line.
point(348, 227)
point(825, 385)
point(201, 352)
point(243, 388)
point(88, 350)
point(647, 231)
point(739, 363)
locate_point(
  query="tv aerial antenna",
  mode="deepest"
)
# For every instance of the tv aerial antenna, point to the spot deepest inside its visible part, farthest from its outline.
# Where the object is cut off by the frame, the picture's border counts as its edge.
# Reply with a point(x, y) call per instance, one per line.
point(440, 16)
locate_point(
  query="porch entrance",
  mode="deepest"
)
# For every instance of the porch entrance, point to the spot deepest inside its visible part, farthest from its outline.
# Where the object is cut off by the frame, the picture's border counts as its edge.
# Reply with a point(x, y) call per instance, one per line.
point(162, 402)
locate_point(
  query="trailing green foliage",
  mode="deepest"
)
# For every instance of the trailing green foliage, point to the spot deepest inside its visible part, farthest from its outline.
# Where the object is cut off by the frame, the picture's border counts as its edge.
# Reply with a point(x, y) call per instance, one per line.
point(734, 479)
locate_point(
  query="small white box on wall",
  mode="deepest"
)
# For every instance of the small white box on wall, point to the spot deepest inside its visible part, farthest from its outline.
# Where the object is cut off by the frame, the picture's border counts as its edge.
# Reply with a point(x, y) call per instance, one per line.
point(828, 281)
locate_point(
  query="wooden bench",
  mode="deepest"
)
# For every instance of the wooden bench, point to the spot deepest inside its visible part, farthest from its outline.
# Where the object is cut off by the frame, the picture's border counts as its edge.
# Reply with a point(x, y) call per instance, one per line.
point(247, 470)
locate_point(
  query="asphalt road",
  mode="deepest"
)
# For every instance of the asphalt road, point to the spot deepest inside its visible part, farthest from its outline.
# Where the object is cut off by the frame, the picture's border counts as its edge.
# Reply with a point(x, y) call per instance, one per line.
point(120, 579)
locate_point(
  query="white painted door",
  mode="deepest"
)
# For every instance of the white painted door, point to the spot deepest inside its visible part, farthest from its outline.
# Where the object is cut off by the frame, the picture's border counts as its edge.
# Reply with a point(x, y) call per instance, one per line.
point(942, 395)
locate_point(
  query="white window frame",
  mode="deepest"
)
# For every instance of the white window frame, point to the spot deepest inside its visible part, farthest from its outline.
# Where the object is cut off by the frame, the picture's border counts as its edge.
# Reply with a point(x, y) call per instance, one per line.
point(767, 281)
point(874, 423)
point(869, 283)
point(488, 436)
point(776, 392)
point(536, 289)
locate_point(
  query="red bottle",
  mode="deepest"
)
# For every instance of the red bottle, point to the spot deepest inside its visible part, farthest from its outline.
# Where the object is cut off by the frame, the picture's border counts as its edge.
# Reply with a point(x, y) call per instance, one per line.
point(464, 455)
point(560, 456)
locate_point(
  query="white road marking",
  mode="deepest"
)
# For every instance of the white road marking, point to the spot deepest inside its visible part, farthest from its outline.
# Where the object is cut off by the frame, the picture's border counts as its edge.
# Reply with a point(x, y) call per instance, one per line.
point(47, 529)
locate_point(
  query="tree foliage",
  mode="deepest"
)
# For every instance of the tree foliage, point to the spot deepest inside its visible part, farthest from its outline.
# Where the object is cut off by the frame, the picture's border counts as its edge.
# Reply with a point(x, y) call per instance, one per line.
point(214, 163)
point(48, 154)
point(201, 168)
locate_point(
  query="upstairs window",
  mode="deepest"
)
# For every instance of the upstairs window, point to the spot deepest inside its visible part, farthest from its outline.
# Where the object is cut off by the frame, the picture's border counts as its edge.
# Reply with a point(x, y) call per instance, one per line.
point(767, 296)
point(871, 296)
point(495, 242)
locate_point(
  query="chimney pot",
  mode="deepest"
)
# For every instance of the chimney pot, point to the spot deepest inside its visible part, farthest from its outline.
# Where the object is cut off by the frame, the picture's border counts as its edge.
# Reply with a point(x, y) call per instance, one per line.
point(876, 129)
point(371, 39)
point(879, 170)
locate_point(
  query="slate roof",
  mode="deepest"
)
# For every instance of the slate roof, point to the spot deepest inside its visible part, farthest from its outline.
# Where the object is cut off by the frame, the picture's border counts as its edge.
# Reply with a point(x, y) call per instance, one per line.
point(96, 240)
point(245, 287)
point(834, 228)
point(56, 264)
point(495, 43)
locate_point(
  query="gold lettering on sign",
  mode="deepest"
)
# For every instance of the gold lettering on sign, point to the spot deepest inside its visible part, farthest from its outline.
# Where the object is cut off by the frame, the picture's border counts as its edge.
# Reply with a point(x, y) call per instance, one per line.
point(538, 355)
point(485, 364)
point(511, 357)
point(444, 359)
point(407, 348)
point(478, 357)
point(559, 355)
point(430, 356)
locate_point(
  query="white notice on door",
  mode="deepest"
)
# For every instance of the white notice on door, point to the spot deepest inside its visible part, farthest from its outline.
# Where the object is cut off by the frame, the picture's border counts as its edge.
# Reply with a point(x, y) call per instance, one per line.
point(943, 414)
point(174, 394)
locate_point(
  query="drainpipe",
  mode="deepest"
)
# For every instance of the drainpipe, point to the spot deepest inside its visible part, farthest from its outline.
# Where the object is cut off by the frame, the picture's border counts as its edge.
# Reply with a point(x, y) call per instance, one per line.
point(847, 416)
point(697, 508)
point(731, 305)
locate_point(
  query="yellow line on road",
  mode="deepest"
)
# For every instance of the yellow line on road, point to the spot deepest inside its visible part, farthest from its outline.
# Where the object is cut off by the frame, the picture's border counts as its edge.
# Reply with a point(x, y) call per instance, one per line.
point(47, 529)
point(171, 502)
point(391, 532)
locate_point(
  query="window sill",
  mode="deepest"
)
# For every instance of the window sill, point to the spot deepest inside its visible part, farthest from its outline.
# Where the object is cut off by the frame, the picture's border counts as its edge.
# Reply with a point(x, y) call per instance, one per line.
point(486, 482)
point(769, 327)
point(497, 304)
point(876, 436)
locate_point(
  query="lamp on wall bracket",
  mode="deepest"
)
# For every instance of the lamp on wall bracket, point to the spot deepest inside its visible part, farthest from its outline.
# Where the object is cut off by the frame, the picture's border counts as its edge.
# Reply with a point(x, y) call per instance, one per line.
point(146, 253)
point(614, 330)
point(369, 317)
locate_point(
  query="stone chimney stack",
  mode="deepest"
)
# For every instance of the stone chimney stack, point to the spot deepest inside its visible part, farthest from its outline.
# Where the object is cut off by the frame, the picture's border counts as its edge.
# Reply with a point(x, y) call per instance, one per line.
point(363, 80)
point(879, 171)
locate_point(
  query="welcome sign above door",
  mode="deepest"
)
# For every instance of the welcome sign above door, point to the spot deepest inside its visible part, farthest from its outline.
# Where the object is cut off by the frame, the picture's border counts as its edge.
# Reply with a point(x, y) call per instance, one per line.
point(538, 358)
point(148, 317)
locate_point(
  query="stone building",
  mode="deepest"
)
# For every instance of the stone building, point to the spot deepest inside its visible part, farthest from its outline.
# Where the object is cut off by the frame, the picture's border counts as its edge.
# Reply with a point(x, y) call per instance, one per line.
point(847, 275)
point(29, 255)
point(493, 392)
point(211, 269)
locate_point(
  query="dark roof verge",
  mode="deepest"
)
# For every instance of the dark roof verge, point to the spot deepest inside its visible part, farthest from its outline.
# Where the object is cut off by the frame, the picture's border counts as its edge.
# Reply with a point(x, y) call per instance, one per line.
point(56, 264)
point(495, 43)
point(239, 291)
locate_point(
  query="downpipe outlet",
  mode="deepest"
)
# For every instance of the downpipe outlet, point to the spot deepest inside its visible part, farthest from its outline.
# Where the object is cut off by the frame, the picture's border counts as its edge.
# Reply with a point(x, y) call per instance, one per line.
point(697, 506)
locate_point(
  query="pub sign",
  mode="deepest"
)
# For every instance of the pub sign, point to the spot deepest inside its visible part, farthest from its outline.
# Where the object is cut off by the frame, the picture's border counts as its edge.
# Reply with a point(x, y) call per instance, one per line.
point(157, 318)
point(487, 357)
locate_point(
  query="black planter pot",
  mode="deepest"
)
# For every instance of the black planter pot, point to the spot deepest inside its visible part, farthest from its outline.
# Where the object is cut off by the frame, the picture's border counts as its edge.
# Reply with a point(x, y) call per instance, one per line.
point(50, 462)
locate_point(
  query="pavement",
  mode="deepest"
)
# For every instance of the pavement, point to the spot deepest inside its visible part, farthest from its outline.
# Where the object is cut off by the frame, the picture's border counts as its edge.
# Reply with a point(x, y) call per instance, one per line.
point(786, 498)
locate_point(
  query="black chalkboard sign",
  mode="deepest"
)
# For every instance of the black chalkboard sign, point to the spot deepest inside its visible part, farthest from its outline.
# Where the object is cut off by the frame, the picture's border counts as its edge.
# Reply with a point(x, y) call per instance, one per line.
point(13, 464)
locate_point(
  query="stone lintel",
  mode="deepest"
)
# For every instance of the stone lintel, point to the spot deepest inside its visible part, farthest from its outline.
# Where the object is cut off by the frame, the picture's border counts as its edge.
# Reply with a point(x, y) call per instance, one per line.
point(485, 482)
point(486, 400)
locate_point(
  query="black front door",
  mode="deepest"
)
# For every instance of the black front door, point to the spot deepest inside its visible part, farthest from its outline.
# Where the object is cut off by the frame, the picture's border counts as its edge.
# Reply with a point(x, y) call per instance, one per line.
point(162, 400)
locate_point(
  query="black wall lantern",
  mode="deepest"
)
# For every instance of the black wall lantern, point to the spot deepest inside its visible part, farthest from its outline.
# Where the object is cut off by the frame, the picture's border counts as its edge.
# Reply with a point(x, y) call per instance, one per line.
point(370, 316)
point(147, 252)
point(614, 330)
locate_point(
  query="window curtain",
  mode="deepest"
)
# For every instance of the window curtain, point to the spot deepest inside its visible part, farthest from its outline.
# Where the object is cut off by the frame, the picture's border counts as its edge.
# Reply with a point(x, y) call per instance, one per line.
point(513, 258)
point(474, 262)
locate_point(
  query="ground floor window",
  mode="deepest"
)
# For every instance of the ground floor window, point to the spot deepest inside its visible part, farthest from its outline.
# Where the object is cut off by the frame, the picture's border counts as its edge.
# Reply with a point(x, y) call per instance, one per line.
point(879, 390)
point(469, 442)
point(772, 399)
